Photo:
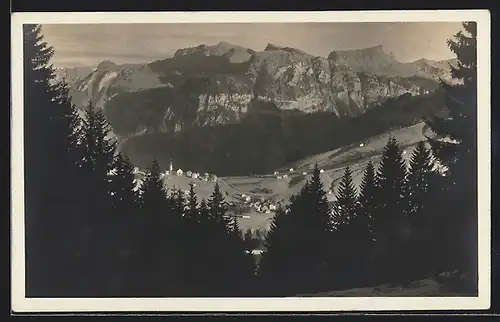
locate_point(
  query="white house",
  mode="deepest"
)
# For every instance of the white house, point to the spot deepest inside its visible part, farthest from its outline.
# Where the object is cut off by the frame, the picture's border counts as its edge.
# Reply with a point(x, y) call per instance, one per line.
point(321, 171)
point(272, 207)
point(167, 172)
point(268, 211)
point(304, 173)
point(189, 173)
point(275, 172)
point(291, 170)
point(279, 177)
point(285, 176)
point(361, 144)
point(186, 192)
point(195, 175)
point(248, 198)
point(180, 172)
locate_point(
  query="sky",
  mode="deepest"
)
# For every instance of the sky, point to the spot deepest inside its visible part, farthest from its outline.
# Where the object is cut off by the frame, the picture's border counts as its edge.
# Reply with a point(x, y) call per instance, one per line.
point(89, 44)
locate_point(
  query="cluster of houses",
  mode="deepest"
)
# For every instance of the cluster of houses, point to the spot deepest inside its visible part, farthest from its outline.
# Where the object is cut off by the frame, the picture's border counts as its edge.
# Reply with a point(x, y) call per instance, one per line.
point(140, 175)
point(261, 205)
point(190, 174)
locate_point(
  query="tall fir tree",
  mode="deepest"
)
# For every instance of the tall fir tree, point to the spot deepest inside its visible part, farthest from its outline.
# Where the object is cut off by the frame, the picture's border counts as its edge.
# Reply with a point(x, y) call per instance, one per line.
point(97, 162)
point(299, 239)
point(123, 220)
point(241, 277)
point(192, 212)
point(421, 181)
point(346, 201)
point(368, 192)
point(352, 237)
point(218, 207)
point(363, 224)
point(456, 208)
point(277, 259)
point(155, 257)
point(51, 152)
point(192, 247)
point(392, 227)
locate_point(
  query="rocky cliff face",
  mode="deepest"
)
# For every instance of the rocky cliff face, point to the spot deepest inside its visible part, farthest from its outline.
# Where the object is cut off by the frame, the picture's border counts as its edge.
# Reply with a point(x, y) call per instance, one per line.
point(207, 85)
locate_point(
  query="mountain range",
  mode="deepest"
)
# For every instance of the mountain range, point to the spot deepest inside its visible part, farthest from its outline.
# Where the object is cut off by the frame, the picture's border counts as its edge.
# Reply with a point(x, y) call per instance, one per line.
point(213, 84)
point(225, 85)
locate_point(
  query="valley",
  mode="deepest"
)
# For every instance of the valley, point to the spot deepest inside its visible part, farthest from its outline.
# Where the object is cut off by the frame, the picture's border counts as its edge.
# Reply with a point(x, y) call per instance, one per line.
point(248, 195)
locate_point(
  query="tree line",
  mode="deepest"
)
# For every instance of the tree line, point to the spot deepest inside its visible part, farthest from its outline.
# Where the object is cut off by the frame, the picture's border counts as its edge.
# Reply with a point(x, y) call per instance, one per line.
point(90, 232)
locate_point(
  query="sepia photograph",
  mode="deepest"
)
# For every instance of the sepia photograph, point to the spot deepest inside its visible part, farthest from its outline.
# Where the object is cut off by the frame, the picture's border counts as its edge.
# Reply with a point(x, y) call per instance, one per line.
point(250, 161)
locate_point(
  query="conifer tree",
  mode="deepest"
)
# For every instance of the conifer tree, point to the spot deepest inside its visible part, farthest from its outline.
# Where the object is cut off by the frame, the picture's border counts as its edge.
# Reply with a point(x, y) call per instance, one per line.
point(299, 239)
point(241, 276)
point(218, 228)
point(345, 253)
point(456, 208)
point(368, 192)
point(50, 154)
point(218, 207)
point(346, 200)
point(153, 256)
point(124, 218)
point(362, 226)
point(153, 192)
point(192, 209)
point(277, 259)
point(420, 178)
point(192, 247)
point(204, 212)
point(391, 223)
point(97, 164)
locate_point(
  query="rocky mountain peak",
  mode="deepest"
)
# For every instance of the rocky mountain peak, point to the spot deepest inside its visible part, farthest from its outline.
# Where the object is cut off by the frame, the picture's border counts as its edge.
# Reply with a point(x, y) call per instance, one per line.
point(106, 65)
point(374, 54)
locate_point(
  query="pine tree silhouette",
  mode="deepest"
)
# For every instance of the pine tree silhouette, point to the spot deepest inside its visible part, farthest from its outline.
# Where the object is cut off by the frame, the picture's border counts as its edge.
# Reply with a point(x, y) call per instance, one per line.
point(97, 164)
point(124, 220)
point(421, 180)
point(346, 202)
point(154, 257)
point(299, 239)
point(391, 224)
point(367, 199)
point(50, 154)
point(363, 223)
point(456, 208)
point(192, 247)
point(276, 260)
point(352, 228)
point(192, 208)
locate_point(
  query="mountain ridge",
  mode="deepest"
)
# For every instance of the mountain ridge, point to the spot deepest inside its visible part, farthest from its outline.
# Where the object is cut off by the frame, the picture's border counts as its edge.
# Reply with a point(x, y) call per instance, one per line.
point(214, 84)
